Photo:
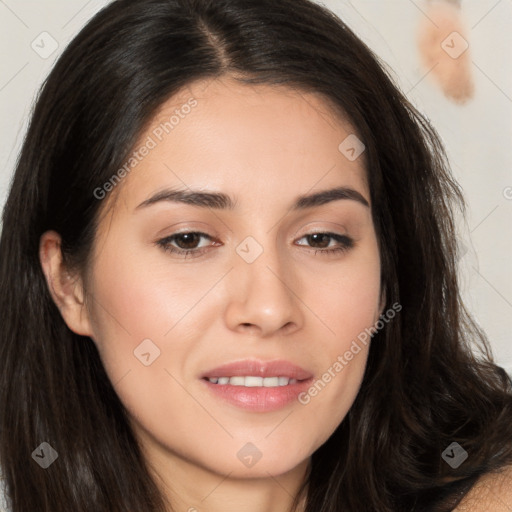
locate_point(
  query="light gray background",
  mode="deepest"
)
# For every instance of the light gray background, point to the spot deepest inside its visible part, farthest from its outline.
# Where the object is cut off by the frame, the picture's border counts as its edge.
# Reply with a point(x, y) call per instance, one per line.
point(477, 135)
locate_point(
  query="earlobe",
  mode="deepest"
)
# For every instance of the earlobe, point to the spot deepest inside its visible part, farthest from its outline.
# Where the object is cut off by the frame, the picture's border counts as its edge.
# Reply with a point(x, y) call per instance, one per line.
point(66, 289)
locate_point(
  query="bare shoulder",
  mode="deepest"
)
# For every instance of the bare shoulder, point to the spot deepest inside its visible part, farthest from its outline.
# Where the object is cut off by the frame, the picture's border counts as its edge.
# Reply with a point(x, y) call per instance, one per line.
point(492, 492)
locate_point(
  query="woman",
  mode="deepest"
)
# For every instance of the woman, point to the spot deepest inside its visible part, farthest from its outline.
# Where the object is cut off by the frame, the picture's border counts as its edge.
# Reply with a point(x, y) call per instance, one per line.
point(229, 271)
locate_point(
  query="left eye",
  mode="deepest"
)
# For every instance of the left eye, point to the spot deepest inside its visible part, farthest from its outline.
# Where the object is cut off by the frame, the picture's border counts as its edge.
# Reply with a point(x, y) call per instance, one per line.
point(344, 243)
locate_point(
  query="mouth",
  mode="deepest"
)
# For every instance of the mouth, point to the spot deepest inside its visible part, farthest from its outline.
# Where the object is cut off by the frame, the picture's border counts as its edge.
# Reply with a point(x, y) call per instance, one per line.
point(255, 369)
point(257, 386)
point(252, 381)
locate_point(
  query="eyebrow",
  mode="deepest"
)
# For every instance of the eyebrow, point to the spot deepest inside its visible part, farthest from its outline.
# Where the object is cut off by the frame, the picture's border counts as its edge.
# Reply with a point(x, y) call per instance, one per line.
point(221, 201)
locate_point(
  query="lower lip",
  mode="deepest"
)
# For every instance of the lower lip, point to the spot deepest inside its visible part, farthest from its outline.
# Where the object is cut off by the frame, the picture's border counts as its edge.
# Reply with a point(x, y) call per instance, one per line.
point(259, 399)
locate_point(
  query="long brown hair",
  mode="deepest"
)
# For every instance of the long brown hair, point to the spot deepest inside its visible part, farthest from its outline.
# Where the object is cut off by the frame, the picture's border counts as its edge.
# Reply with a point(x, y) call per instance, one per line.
point(424, 388)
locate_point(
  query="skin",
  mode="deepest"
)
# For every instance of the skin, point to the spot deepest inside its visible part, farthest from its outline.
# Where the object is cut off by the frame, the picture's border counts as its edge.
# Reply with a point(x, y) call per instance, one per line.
point(263, 146)
point(493, 491)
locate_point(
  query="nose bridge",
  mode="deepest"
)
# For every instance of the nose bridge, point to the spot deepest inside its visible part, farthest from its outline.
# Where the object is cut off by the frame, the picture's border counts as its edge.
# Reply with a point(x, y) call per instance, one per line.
point(263, 294)
point(264, 267)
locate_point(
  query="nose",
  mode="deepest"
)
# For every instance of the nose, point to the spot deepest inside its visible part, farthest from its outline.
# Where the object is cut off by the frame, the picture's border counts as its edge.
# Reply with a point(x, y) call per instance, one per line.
point(263, 297)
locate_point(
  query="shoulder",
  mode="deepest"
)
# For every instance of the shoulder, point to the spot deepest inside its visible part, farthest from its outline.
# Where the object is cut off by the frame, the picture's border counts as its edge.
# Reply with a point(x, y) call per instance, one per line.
point(492, 491)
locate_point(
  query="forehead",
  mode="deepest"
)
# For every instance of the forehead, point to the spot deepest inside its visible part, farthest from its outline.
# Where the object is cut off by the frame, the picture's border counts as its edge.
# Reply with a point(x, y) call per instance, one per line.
point(254, 140)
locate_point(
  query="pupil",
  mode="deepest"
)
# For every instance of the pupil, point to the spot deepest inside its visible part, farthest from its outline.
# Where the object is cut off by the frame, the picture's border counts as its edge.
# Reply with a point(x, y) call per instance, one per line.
point(316, 236)
point(189, 236)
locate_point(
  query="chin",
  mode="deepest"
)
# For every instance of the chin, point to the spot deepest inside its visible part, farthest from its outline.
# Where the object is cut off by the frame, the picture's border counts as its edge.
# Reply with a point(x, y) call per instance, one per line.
point(262, 469)
point(250, 461)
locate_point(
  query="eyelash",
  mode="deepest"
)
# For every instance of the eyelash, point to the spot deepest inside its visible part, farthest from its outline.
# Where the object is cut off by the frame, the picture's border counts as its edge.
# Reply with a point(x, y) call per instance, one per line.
point(345, 241)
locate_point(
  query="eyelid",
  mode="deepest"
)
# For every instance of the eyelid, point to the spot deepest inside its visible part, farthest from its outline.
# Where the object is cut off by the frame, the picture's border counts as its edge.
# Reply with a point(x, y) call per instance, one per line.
point(338, 230)
point(177, 228)
point(320, 227)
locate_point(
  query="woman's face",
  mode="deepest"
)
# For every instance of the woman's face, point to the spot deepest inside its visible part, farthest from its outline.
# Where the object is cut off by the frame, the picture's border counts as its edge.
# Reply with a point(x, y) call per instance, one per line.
point(275, 289)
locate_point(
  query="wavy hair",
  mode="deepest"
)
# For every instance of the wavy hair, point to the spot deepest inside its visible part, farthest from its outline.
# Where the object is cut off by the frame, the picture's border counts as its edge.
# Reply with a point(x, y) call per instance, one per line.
point(425, 385)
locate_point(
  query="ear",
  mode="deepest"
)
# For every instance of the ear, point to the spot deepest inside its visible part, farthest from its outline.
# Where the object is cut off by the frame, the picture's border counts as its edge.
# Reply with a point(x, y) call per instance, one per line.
point(66, 290)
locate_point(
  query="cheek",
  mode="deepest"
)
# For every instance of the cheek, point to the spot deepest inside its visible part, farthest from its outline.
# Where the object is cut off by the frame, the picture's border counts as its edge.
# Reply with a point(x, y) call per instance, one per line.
point(145, 304)
point(346, 297)
point(130, 304)
point(347, 303)
point(141, 314)
point(142, 296)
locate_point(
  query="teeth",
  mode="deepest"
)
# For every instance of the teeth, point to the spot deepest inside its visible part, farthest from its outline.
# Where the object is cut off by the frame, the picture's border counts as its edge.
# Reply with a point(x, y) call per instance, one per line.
point(251, 381)
point(271, 382)
point(283, 381)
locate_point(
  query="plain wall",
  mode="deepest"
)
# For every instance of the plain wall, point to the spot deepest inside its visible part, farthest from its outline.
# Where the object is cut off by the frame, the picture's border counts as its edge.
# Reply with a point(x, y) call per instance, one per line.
point(477, 135)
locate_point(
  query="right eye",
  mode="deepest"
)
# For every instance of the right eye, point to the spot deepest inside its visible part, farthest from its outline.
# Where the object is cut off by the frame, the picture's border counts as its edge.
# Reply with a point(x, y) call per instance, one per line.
point(186, 243)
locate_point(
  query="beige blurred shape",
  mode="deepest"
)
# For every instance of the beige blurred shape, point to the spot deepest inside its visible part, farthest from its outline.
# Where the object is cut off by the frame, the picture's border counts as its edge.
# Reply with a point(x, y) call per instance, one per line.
point(444, 47)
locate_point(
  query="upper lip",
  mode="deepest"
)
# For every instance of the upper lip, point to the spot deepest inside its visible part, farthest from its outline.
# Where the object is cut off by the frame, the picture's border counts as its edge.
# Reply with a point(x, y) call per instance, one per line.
point(254, 367)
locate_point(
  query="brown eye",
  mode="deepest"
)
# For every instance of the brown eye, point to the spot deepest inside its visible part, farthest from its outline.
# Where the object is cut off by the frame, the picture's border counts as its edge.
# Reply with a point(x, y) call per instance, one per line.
point(322, 242)
point(187, 240)
point(184, 243)
point(319, 238)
